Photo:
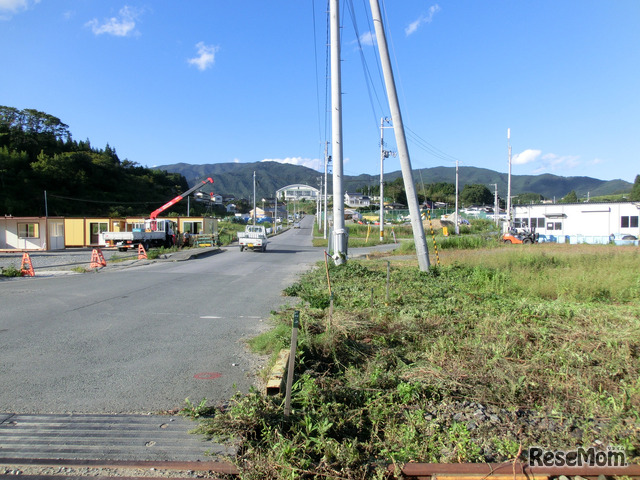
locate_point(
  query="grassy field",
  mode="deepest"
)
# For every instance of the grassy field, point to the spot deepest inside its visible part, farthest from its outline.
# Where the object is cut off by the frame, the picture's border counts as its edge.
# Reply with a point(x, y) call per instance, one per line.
point(493, 351)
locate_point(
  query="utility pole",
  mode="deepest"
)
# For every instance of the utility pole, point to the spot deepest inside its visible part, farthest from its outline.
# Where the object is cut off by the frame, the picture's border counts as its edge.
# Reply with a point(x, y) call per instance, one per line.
point(318, 204)
point(275, 214)
point(496, 206)
point(383, 154)
point(509, 179)
point(327, 159)
point(254, 198)
point(456, 217)
point(401, 141)
point(339, 234)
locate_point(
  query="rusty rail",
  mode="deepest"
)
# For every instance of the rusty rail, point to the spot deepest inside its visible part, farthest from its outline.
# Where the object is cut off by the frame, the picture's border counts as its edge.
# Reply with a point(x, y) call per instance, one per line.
point(409, 471)
point(506, 471)
point(196, 466)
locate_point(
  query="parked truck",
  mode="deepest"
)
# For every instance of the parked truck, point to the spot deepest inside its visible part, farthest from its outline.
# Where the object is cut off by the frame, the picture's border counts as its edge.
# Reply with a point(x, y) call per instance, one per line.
point(254, 236)
point(152, 232)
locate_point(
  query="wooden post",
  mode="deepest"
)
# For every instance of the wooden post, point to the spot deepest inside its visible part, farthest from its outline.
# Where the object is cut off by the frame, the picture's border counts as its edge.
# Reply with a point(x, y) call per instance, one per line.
point(292, 362)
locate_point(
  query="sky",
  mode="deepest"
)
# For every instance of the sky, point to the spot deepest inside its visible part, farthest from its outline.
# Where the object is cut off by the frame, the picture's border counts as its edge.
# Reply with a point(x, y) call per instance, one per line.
point(212, 81)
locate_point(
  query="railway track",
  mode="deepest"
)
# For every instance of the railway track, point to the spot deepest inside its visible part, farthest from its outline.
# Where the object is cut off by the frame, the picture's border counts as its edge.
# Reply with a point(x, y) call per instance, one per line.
point(58, 469)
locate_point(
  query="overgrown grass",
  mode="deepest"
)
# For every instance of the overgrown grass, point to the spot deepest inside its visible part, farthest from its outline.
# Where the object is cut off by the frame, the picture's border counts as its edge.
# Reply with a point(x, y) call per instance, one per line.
point(494, 350)
point(10, 271)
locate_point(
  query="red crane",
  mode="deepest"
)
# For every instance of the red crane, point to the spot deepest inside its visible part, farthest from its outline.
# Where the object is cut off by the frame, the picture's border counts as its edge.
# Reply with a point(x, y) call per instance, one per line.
point(158, 211)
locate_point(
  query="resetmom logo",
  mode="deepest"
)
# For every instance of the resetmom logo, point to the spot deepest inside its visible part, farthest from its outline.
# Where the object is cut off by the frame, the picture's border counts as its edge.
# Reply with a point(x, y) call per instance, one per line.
point(581, 457)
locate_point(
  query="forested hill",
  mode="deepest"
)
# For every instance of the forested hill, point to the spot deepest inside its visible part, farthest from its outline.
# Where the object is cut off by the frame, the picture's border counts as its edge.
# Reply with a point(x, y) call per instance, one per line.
point(237, 179)
point(38, 154)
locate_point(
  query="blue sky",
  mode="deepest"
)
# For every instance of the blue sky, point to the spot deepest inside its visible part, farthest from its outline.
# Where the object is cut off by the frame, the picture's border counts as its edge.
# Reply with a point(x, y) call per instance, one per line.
point(209, 81)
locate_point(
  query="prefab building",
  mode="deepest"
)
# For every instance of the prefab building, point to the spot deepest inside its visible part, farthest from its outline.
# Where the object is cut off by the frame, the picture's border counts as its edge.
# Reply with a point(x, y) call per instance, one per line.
point(31, 233)
point(198, 225)
point(595, 223)
point(87, 232)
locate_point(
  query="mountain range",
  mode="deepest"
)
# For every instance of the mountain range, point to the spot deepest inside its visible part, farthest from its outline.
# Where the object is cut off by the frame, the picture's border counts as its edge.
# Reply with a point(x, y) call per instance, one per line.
point(237, 179)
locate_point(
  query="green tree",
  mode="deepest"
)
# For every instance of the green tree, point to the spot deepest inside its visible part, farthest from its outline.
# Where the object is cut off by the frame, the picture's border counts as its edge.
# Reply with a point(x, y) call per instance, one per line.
point(476, 194)
point(635, 191)
point(570, 197)
point(440, 192)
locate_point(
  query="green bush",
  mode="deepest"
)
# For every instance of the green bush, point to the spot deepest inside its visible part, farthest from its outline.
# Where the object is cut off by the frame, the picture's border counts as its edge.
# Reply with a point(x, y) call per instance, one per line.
point(11, 271)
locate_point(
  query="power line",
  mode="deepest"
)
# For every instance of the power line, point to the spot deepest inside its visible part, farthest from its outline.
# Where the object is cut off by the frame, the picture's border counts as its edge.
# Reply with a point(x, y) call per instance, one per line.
point(112, 202)
point(365, 68)
point(429, 148)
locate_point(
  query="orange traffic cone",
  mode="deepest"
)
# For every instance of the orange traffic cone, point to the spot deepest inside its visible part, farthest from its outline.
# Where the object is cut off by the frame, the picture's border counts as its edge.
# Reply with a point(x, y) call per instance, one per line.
point(97, 259)
point(142, 253)
point(26, 269)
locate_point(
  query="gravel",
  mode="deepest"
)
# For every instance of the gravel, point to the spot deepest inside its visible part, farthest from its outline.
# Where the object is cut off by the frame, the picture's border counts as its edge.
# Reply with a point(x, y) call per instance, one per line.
point(65, 260)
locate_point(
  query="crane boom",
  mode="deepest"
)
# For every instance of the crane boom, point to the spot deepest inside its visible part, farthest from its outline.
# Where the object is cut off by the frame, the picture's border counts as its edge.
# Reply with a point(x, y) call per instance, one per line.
point(158, 211)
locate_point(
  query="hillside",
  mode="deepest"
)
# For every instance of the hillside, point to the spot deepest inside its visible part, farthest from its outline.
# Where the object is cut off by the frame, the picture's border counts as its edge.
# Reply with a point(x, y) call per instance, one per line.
point(38, 155)
point(237, 179)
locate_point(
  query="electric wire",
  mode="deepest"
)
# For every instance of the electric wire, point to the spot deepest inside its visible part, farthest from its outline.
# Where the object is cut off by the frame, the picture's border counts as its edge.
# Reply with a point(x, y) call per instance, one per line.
point(372, 92)
point(111, 202)
point(365, 68)
point(315, 56)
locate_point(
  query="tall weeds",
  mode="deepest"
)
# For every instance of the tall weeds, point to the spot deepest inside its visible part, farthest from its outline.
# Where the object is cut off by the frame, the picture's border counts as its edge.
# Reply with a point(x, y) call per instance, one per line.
point(467, 362)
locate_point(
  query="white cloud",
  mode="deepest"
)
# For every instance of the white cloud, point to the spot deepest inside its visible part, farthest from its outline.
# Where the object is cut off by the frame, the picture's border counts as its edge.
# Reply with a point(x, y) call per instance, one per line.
point(313, 163)
point(236, 160)
point(13, 5)
point(121, 26)
point(555, 162)
point(549, 162)
point(206, 56)
point(527, 156)
point(368, 38)
point(422, 19)
point(8, 7)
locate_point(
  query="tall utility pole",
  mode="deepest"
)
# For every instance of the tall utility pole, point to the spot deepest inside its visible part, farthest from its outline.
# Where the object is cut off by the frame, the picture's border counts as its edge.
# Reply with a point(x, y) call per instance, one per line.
point(318, 204)
point(339, 234)
point(254, 197)
point(509, 179)
point(401, 141)
point(456, 217)
point(327, 159)
point(383, 154)
point(496, 206)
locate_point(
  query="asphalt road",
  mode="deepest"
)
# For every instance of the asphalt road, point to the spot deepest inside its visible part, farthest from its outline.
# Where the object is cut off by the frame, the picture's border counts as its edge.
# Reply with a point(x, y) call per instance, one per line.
point(143, 338)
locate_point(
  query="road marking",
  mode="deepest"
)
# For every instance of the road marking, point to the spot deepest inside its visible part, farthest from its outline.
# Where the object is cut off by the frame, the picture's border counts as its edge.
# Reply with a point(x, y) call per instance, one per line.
point(210, 316)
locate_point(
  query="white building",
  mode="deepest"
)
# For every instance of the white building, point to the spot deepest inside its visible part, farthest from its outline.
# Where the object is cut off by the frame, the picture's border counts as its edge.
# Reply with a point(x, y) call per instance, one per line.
point(213, 198)
point(355, 200)
point(297, 191)
point(31, 233)
point(581, 222)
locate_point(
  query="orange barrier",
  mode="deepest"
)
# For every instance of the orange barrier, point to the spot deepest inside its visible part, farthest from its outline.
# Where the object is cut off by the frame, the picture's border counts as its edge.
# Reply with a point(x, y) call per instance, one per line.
point(26, 268)
point(142, 253)
point(97, 259)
